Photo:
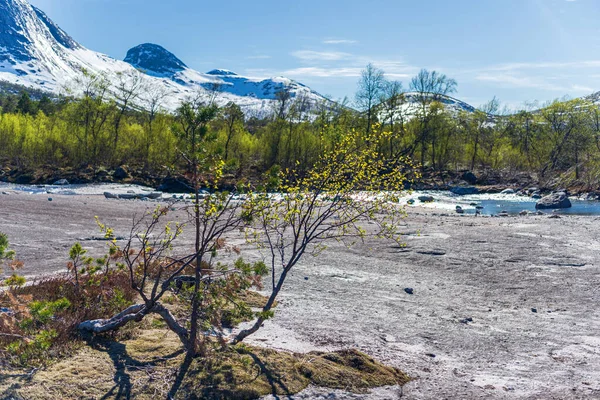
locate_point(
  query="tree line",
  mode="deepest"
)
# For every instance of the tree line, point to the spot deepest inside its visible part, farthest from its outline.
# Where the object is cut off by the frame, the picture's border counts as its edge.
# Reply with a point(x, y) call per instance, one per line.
point(106, 126)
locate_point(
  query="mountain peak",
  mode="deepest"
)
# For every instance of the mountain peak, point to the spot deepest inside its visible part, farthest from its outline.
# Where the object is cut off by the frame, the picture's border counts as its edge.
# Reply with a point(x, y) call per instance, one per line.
point(221, 72)
point(154, 60)
point(22, 27)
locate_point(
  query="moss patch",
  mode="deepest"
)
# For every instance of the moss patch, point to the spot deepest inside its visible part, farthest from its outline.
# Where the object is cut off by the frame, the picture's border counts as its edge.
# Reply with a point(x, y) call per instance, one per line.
point(146, 365)
point(250, 372)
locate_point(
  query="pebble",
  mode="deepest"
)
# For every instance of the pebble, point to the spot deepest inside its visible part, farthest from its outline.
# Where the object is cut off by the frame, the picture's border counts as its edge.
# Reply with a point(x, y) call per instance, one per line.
point(534, 310)
point(409, 290)
point(49, 198)
point(466, 320)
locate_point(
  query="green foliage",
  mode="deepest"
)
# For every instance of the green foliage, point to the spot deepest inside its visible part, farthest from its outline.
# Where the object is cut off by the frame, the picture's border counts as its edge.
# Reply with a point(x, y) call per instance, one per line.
point(76, 251)
point(5, 252)
point(15, 281)
point(44, 311)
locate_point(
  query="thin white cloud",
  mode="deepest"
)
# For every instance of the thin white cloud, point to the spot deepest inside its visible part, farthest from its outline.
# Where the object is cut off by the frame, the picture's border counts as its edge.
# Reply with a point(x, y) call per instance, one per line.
point(545, 65)
point(581, 88)
point(343, 72)
point(339, 41)
point(510, 80)
point(326, 64)
point(310, 55)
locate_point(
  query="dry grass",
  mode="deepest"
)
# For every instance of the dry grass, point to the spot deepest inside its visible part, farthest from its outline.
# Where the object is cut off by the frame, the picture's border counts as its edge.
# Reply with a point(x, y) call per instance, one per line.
point(146, 365)
point(255, 299)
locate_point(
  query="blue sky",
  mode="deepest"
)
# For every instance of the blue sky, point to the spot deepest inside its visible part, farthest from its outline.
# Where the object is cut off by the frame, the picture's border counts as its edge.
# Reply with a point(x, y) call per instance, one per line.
point(517, 50)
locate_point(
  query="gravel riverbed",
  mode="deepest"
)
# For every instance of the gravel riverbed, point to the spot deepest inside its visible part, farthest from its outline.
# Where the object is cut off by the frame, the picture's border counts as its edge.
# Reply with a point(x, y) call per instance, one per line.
point(501, 308)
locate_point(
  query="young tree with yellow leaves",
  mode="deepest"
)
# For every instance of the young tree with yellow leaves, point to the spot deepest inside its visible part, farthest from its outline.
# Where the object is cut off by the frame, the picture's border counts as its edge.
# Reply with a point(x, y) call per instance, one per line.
point(351, 185)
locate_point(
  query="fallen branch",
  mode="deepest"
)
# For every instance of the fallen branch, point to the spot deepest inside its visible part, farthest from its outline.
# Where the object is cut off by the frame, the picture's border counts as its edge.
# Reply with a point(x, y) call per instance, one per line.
point(133, 313)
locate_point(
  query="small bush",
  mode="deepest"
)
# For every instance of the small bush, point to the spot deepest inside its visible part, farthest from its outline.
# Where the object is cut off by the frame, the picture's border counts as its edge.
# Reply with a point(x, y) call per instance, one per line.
point(40, 321)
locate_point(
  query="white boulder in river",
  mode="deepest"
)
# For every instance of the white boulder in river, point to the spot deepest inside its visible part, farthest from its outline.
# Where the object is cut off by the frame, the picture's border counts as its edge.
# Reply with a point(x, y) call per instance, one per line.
point(555, 200)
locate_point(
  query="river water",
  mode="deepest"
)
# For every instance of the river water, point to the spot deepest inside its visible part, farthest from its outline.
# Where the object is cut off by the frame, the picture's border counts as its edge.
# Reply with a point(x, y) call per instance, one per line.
point(445, 201)
point(494, 204)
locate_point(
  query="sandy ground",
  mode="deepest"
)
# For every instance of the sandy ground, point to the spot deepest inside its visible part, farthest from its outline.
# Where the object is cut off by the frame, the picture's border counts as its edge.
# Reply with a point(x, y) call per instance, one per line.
point(503, 308)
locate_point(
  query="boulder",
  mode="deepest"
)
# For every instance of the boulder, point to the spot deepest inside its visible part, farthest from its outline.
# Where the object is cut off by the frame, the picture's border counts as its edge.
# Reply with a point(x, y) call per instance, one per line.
point(469, 177)
point(134, 196)
point(555, 200)
point(121, 173)
point(61, 182)
point(426, 199)
point(174, 185)
point(25, 179)
point(464, 190)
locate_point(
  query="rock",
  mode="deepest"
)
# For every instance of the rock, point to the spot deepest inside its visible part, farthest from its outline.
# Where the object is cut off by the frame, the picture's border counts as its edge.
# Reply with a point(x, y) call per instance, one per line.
point(469, 177)
point(555, 200)
point(554, 216)
point(432, 252)
point(409, 290)
point(109, 195)
point(508, 191)
point(466, 320)
point(503, 214)
point(121, 173)
point(411, 202)
point(459, 210)
point(534, 310)
point(134, 196)
point(24, 179)
point(464, 190)
point(426, 199)
point(6, 193)
point(430, 355)
point(61, 182)
point(49, 198)
point(524, 213)
point(173, 185)
point(536, 196)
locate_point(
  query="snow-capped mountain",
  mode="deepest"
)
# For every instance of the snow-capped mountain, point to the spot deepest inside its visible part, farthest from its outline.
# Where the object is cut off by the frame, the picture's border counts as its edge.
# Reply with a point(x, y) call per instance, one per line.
point(155, 60)
point(35, 52)
point(413, 101)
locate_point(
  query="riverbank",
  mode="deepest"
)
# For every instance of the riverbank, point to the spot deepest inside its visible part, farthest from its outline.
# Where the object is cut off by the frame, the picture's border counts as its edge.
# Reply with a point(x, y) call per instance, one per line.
point(501, 307)
point(486, 181)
